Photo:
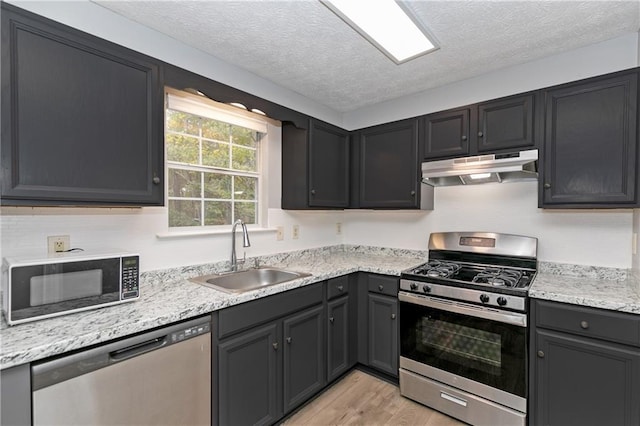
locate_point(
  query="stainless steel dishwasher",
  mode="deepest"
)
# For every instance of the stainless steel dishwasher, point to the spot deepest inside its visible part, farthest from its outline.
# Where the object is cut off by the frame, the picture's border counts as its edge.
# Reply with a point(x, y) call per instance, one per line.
point(158, 378)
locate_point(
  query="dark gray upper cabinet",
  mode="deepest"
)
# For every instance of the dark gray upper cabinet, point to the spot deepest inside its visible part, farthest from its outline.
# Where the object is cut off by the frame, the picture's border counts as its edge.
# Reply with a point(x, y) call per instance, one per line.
point(585, 366)
point(315, 166)
point(492, 126)
point(590, 143)
point(506, 123)
point(81, 118)
point(386, 172)
point(446, 134)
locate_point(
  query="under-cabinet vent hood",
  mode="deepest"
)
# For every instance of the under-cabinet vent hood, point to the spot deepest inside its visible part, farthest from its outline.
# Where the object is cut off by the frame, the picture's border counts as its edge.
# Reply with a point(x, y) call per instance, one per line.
point(511, 167)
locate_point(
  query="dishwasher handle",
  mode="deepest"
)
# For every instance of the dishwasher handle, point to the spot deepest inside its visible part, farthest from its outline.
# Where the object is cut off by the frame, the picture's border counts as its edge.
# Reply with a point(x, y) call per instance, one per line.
point(139, 349)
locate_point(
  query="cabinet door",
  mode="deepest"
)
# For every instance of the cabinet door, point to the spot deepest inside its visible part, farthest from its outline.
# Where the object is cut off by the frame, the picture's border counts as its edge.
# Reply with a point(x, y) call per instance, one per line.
point(446, 134)
point(249, 377)
point(337, 337)
point(383, 333)
point(585, 382)
point(389, 166)
point(328, 165)
point(304, 359)
point(590, 147)
point(81, 118)
point(506, 123)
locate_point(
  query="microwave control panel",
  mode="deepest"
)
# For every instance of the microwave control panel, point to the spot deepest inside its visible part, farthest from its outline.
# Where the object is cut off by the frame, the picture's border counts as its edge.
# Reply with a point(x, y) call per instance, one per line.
point(130, 277)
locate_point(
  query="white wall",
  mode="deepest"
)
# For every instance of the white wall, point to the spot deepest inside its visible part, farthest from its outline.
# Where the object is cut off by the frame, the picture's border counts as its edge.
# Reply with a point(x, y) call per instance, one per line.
point(592, 237)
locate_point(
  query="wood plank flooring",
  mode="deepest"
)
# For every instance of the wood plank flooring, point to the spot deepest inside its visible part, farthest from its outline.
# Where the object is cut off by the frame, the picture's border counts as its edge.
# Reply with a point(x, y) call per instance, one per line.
point(361, 399)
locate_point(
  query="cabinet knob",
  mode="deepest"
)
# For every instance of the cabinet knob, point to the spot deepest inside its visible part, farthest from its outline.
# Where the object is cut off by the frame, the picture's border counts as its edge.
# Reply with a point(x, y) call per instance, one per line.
point(340, 288)
point(156, 180)
point(584, 324)
point(464, 137)
point(413, 193)
point(480, 134)
point(540, 354)
point(380, 287)
point(313, 192)
point(393, 316)
point(331, 319)
point(275, 346)
point(546, 186)
point(289, 340)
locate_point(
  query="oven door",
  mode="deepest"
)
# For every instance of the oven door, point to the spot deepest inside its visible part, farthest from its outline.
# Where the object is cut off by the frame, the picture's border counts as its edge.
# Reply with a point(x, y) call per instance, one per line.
point(483, 345)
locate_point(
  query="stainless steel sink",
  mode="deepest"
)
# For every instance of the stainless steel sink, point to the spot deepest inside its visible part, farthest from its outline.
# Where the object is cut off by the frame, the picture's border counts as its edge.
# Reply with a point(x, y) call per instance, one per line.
point(251, 279)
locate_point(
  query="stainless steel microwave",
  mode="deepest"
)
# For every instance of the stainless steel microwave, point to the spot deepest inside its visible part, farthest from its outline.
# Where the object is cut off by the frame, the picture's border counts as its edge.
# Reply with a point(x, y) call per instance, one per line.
point(38, 288)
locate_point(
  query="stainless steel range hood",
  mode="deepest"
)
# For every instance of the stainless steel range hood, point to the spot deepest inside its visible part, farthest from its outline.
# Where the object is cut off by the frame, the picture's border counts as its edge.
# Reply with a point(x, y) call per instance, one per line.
point(511, 167)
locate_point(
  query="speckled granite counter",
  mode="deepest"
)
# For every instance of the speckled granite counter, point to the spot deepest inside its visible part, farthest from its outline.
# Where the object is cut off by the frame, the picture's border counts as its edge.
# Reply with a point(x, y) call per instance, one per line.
point(604, 288)
point(167, 297)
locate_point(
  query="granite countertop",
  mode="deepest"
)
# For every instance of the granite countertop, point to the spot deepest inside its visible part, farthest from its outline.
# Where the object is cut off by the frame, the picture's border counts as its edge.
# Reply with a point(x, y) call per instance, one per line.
point(589, 287)
point(168, 296)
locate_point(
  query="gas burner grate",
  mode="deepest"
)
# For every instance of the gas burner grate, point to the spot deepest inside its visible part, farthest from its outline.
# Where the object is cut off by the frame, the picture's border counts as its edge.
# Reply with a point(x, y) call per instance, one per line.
point(498, 277)
point(437, 268)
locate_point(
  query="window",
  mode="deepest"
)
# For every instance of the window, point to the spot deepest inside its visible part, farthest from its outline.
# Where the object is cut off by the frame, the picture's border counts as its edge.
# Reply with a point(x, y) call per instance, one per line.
point(213, 162)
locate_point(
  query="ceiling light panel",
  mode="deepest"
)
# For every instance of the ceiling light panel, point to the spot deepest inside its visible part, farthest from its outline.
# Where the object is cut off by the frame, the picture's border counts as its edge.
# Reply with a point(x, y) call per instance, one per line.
point(387, 25)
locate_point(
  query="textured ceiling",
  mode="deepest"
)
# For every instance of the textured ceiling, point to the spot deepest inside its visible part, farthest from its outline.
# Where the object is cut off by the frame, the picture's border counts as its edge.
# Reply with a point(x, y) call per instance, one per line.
point(303, 46)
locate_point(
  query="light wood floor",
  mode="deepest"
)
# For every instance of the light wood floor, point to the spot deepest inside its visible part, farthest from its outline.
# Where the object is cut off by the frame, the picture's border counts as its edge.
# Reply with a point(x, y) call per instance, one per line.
point(361, 399)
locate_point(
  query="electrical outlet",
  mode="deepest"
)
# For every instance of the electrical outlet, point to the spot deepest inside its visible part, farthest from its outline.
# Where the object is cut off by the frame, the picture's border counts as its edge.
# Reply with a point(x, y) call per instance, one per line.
point(280, 233)
point(58, 243)
point(338, 228)
point(296, 232)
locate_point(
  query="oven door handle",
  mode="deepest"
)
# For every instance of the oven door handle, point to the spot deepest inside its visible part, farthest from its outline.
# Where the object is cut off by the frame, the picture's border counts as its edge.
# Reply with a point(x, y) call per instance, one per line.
point(513, 318)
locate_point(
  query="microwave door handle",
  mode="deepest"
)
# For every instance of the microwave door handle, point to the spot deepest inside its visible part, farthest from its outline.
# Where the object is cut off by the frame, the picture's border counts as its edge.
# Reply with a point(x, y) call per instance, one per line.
point(512, 318)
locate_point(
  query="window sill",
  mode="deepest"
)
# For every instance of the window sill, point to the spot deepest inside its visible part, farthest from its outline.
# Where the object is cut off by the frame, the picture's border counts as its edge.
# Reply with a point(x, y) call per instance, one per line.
point(207, 232)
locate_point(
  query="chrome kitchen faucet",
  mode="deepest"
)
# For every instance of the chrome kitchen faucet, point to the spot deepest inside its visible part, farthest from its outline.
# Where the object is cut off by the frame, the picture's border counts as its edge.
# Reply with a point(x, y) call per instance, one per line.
point(245, 243)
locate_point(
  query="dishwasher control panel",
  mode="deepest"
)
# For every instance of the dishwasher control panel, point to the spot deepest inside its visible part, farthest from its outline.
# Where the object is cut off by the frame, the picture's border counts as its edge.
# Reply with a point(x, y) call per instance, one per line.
point(187, 333)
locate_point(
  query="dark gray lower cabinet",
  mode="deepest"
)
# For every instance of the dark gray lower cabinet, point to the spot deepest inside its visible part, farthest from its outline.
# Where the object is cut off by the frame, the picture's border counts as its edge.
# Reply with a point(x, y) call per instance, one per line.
point(337, 337)
point(304, 361)
point(585, 366)
point(269, 370)
point(250, 378)
point(383, 333)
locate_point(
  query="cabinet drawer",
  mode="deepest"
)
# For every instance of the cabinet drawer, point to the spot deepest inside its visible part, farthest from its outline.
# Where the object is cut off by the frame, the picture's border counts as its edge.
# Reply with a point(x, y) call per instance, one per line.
point(600, 324)
point(337, 287)
point(250, 314)
point(383, 285)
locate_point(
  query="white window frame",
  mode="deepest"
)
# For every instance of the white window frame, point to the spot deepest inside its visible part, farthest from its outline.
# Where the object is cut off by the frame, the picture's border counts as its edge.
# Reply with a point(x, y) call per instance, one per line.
point(205, 107)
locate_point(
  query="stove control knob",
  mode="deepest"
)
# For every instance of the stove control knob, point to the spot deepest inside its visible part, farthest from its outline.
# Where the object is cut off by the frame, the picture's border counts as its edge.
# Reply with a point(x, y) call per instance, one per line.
point(484, 298)
point(502, 301)
point(426, 288)
point(413, 286)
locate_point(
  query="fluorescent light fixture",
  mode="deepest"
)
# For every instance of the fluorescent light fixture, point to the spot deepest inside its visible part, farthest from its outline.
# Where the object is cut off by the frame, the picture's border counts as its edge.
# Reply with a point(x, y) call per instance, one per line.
point(237, 105)
point(258, 111)
point(387, 25)
point(476, 176)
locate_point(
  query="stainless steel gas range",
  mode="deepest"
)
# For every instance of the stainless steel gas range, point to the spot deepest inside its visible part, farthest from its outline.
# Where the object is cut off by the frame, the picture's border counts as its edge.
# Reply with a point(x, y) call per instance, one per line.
point(463, 326)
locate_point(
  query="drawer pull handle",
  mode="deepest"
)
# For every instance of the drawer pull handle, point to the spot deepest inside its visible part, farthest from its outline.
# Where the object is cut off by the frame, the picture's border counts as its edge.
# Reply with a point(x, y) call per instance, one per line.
point(275, 346)
point(331, 320)
point(340, 288)
point(393, 316)
point(380, 287)
point(584, 324)
point(540, 354)
point(288, 339)
point(453, 399)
